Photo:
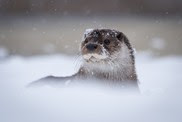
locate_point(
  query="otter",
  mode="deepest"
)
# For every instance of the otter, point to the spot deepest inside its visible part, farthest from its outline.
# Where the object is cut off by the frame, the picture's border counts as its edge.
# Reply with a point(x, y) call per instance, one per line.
point(107, 56)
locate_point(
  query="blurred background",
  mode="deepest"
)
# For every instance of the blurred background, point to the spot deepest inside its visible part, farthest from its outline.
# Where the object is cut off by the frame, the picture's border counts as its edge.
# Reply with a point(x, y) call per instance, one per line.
point(42, 27)
point(39, 38)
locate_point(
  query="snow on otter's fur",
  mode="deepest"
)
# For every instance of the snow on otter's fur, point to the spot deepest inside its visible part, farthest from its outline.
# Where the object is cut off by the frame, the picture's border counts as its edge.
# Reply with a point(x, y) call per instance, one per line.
point(112, 60)
point(116, 62)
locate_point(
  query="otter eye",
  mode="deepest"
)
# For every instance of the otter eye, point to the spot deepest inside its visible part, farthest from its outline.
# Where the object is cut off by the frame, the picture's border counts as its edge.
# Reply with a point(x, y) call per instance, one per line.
point(107, 41)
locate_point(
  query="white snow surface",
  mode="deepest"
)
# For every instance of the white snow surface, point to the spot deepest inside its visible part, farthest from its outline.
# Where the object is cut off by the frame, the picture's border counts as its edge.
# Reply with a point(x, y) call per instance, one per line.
point(160, 99)
point(3, 52)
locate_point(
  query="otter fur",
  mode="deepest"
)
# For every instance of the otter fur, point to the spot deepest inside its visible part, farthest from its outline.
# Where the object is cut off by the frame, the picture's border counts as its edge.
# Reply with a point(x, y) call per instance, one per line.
point(107, 56)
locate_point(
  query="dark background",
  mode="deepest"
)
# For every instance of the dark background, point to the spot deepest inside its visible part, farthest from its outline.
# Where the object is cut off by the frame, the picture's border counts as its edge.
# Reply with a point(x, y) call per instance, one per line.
point(36, 27)
point(91, 7)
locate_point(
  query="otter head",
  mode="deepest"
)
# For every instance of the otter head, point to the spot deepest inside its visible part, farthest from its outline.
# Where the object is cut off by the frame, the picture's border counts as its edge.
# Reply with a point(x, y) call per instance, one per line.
point(101, 45)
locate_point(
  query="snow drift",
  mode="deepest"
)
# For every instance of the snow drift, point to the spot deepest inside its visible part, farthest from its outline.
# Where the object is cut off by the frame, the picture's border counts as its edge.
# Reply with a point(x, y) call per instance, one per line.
point(160, 98)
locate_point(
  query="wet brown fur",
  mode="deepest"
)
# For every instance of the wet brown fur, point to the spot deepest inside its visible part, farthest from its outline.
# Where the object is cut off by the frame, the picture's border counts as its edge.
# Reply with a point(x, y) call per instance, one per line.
point(98, 36)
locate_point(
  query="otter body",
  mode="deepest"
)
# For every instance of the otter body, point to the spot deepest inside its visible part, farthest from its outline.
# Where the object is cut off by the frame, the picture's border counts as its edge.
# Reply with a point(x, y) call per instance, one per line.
point(107, 56)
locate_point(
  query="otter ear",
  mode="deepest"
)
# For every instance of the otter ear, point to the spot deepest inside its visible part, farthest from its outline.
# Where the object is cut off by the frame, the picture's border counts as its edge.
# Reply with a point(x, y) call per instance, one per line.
point(119, 36)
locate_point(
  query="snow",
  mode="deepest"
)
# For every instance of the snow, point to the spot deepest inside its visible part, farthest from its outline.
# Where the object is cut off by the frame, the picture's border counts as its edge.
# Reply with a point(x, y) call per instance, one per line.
point(88, 31)
point(3, 52)
point(160, 98)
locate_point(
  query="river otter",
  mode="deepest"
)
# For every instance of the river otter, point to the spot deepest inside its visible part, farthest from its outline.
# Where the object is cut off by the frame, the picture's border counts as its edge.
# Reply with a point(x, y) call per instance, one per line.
point(107, 56)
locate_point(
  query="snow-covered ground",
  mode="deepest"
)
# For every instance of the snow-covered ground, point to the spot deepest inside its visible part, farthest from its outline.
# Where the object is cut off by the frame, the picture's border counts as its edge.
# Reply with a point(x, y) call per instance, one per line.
point(160, 99)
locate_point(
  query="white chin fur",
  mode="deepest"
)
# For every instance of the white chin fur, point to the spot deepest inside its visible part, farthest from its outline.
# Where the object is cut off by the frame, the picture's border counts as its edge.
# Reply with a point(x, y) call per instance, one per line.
point(94, 56)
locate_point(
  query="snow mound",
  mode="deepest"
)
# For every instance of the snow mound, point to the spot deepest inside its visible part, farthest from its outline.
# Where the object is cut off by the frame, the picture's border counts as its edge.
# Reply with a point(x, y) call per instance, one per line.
point(160, 99)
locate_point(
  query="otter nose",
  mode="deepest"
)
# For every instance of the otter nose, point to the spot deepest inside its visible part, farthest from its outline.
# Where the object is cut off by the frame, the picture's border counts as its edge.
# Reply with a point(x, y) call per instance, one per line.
point(91, 47)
